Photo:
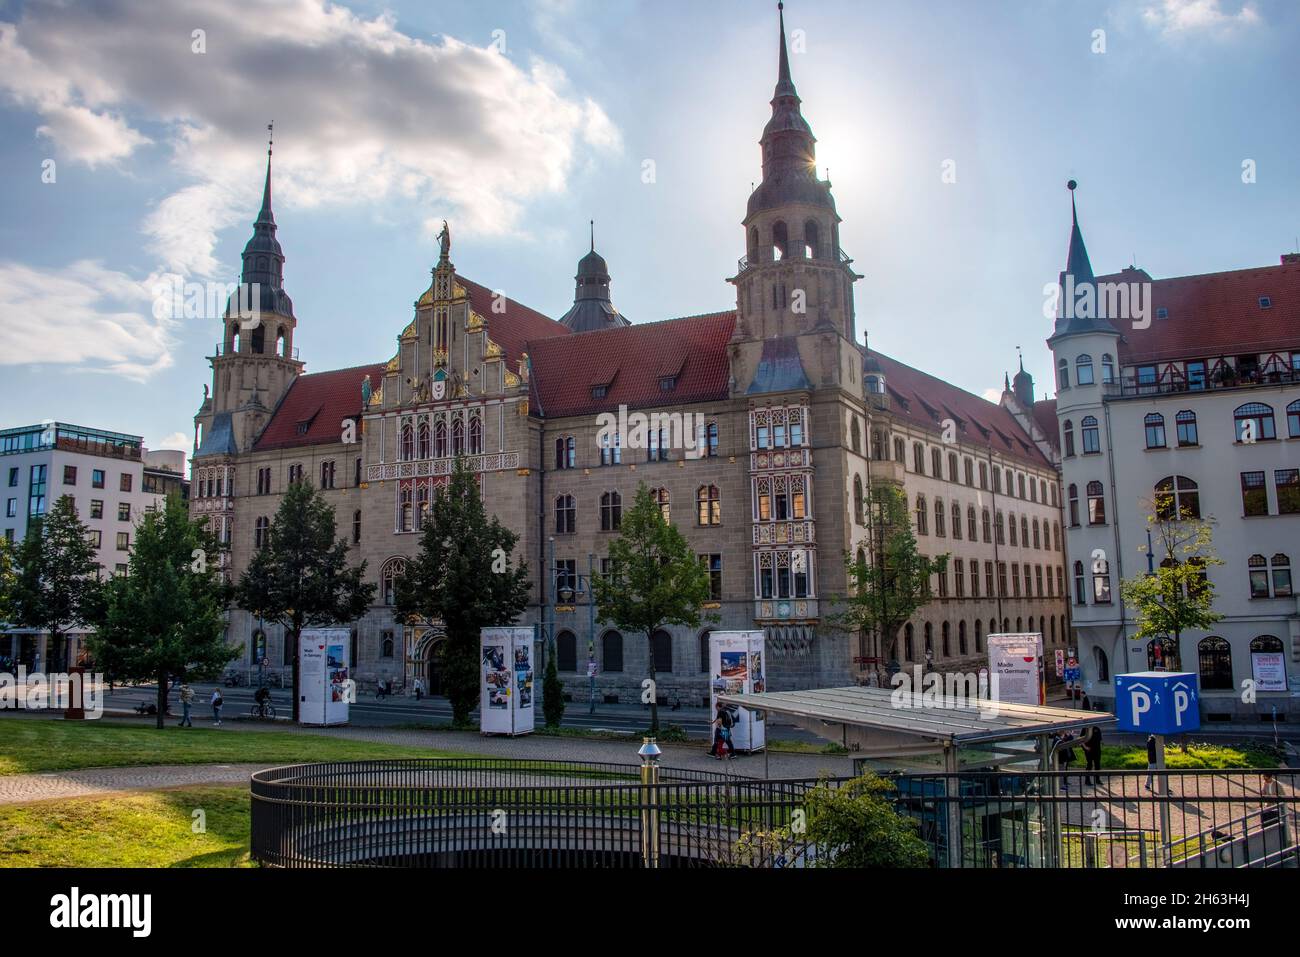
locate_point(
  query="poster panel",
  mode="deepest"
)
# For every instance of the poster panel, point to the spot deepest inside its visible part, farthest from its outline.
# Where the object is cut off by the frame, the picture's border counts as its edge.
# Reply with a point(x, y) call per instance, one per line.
point(1269, 670)
point(1017, 661)
point(506, 687)
point(737, 664)
point(324, 676)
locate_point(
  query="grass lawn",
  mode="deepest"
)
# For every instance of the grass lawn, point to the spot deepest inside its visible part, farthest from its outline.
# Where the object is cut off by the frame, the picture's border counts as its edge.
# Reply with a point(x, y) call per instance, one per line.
point(1199, 756)
point(33, 745)
point(148, 829)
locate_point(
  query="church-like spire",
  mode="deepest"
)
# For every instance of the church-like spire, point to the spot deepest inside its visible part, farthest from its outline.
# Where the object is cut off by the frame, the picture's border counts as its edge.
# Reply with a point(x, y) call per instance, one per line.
point(784, 85)
point(1077, 264)
point(1080, 308)
point(263, 259)
point(264, 215)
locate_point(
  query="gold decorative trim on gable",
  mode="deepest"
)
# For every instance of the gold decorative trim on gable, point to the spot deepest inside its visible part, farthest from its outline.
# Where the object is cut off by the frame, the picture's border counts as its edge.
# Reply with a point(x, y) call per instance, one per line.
point(512, 380)
point(494, 351)
point(394, 364)
point(474, 323)
point(377, 397)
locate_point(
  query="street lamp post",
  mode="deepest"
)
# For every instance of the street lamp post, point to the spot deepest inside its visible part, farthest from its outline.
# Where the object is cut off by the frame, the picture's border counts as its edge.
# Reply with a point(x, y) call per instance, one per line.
point(649, 753)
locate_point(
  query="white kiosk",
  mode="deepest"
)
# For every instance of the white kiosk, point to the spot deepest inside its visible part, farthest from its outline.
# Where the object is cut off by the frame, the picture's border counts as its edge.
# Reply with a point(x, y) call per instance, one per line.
point(324, 680)
point(506, 681)
point(1016, 659)
point(737, 666)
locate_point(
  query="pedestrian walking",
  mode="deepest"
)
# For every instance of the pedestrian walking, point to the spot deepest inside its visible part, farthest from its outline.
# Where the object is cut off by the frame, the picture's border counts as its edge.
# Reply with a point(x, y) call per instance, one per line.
point(217, 702)
point(1151, 758)
point(419, 688)
point(1092, 756)
point(187, 702)
point(1065, 754)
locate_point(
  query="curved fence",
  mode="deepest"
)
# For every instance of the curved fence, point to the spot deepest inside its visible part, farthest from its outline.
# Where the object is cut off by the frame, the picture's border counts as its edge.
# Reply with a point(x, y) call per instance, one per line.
point(490, 812)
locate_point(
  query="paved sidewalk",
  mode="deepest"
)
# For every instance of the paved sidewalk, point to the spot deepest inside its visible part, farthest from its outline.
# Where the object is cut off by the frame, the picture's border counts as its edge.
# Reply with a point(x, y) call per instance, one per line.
point(96, 782)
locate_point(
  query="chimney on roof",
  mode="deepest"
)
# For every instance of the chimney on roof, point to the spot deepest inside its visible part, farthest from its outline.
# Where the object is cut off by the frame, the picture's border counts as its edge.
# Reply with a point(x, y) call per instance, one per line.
point(1290, 259)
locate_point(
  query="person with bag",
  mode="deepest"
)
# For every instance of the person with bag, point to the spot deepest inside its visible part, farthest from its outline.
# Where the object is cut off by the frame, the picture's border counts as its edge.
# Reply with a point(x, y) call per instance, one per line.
point(187, 701)
point(217, 702)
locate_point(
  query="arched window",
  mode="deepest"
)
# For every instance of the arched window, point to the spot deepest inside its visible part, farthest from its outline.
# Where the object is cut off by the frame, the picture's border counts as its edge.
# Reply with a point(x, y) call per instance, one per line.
point(1063, 374)
point(1162, 655)
point(1096, 504)
point(900, 450)
point(232, 340)
point(566, 652)
point(780, 240)
point(611, 646)
point(406, 514)
point(1024, 531)
point(1056, 536)
point(1293, 419)
point(356, 526)
point(811, 241)
point(952, 467)
point(1083, 370)
point(859, 515)
point(1215, 660)
point(753, 241)
point(611, 511)
point(660, 497)
point(945, 641)
point(1281, 576)
point(1102, 664)
point(908, 651)
point(988, 533)
point(961, 637)
point(1015, 536)
point(1073, 495)
point(1107, 368)
point(566, 515)
point(940, 519)
point(1177, 498)
point(1020, 484)
point(440, 440)
point(1080, 593)
point(424, 443)
point(391, 570)
point(408, 442)
point(929, 641)
point(458, 438)
point(922, 516)
point(386, 645)
point(1154, 425)
point(259, 339)
point(936, 463)
point(1000, 528)
point(261, 532)
point(1067, 437)
point(979, 639)
point(281, 344)
point(1254, 421)
point(475, 436)
point(662, 651)
point(1266, 645)
point(1038, 540)
point(972, 532)
point(1091, 435)
point(708, 505)
point(704, 651)
point(855, 433)
point(1051, 621)
point(918, 458)
point(968, 468)
point(1020, 626)
point(956, 521)
point(1100, 581)
point(878, 445)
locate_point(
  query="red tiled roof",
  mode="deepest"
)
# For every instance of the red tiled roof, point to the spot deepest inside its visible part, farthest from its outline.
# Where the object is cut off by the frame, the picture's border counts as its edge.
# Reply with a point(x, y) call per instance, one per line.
point(512, 328)
point(915, 393)
point(321, 401)
point(1044, 414)
point(564, 369)
point(1215, 314)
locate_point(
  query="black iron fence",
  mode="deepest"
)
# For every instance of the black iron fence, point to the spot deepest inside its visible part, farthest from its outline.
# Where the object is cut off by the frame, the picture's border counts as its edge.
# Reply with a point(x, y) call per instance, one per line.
point(524, 813)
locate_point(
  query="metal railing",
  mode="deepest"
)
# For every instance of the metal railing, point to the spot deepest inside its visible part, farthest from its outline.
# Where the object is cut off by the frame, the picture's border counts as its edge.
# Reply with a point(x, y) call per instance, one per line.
point(1130, 386)
point(478, 812)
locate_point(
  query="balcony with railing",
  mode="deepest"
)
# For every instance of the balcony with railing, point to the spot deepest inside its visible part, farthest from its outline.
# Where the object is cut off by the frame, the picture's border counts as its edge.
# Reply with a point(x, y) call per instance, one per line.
point(840, 256)
point(1129, 386)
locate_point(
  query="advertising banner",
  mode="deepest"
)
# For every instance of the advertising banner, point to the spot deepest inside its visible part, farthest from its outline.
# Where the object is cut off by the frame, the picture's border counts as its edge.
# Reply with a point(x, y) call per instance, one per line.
point(506, 693)
point(1017, 661)
point(324, 677)
point(737, 665)
point(1269, 670)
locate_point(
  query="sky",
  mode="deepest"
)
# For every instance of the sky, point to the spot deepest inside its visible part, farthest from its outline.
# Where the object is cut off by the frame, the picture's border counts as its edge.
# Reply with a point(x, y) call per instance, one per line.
point(133, 147)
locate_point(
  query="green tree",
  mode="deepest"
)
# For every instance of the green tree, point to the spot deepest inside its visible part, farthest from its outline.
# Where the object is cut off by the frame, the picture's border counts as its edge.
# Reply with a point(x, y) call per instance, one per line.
point(57, 587)
point(893, 582)
point(552, 694)
point(654, 580)
point(300, 577)
point(463, 576)
point(7, 579)
point(853, 825)
point(1178, 596)
point(165, 617)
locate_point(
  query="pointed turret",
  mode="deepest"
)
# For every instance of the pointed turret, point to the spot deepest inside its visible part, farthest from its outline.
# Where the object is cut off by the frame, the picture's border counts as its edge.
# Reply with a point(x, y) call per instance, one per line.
point(1023, 387)
point(263, 259)
point(592, 308)
point(1080, 307)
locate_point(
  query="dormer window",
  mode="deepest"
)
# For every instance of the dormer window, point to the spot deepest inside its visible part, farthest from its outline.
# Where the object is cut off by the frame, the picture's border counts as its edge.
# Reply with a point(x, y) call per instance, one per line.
point(667, 383)
point(1265, 302)
point(1162, 313)
point(599, 391)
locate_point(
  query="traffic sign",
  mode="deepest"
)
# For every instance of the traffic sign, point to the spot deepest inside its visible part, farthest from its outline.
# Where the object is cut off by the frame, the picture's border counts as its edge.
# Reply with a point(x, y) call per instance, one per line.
point(1158, 702)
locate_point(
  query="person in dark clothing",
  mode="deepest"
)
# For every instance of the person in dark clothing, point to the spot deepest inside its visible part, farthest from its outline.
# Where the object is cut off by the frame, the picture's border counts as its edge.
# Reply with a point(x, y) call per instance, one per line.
point(1092, 756)
point(1065, 757)
point(722, 723)
point(1151, 758)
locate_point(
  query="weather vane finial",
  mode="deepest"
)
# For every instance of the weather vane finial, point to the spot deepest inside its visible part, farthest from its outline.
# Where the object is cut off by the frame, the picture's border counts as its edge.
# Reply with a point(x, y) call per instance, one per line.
point(270, 136)
point(592, 223)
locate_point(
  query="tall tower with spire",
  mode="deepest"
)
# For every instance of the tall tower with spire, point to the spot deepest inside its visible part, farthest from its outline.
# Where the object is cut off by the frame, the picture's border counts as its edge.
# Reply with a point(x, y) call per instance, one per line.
point(255, 363)
point(794, 281)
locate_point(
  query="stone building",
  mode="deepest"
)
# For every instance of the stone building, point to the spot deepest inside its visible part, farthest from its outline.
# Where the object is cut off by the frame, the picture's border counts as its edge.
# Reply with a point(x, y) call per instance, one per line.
point(769, 414)
point(1195, 396)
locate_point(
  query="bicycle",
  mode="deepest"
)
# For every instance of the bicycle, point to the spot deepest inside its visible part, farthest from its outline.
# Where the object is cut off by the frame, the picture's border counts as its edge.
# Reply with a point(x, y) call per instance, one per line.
point(264, 710)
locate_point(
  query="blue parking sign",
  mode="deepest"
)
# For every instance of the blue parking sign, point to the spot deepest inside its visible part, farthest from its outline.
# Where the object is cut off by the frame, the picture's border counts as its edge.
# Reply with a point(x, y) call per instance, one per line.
point(1158, 702)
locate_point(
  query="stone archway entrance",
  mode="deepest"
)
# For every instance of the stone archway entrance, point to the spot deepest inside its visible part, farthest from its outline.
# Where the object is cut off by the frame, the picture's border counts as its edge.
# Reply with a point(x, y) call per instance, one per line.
point(426, 658)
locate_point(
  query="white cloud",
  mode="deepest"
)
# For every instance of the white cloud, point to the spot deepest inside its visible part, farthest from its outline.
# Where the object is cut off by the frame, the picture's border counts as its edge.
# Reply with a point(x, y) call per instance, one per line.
point(83, 315)
point(992, 395)
point(1188, 16)
point(177, 440)
point(365, 115)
